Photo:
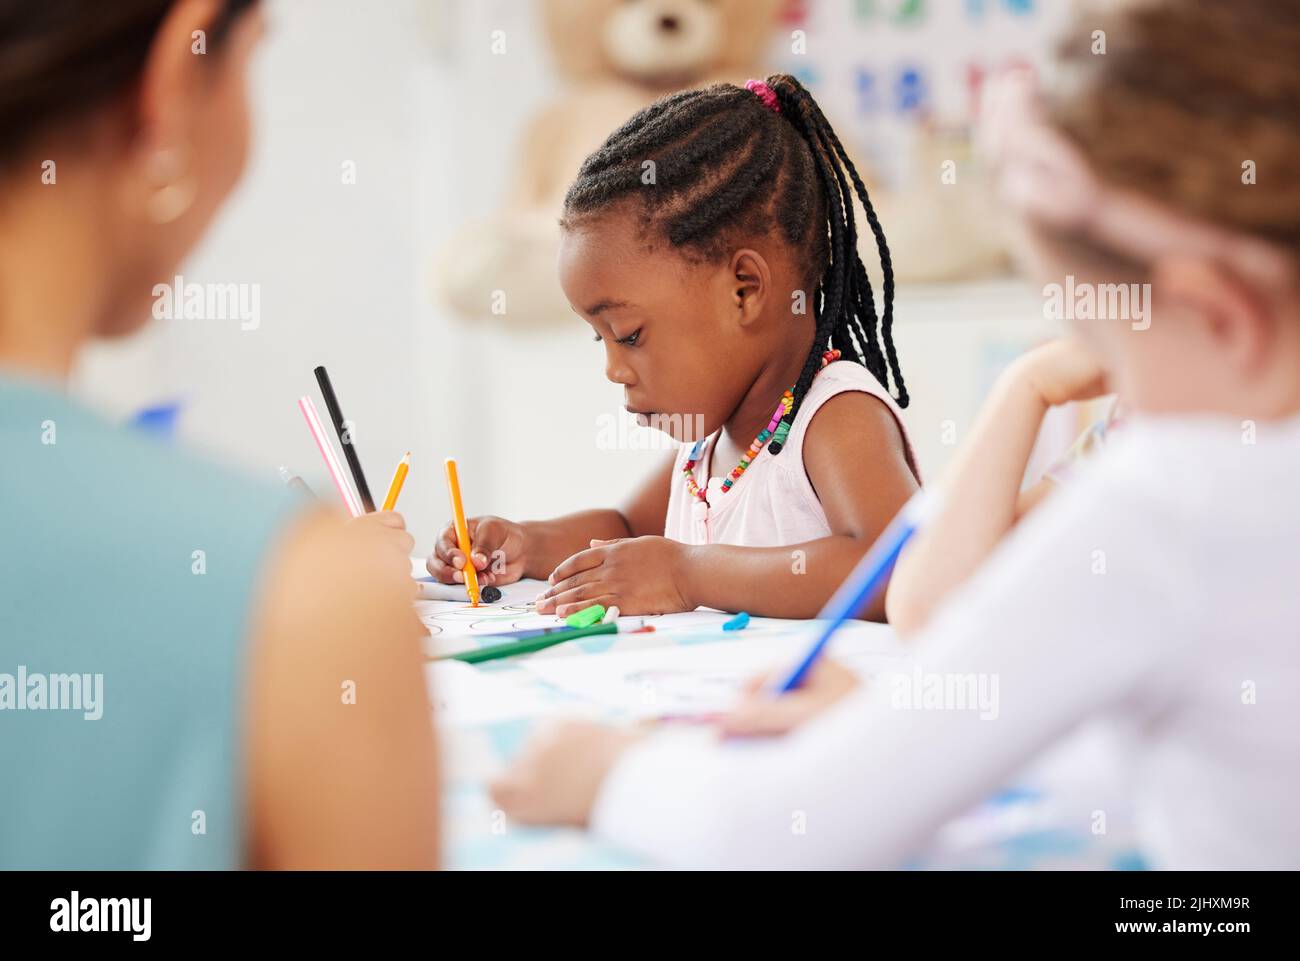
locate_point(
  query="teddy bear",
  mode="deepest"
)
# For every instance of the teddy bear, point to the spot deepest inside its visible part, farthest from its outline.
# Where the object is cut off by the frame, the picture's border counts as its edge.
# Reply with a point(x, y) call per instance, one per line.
point(617, 57)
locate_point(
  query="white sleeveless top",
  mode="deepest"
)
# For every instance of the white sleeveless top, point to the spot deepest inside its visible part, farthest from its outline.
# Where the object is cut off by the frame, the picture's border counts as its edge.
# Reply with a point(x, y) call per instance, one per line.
point(773, 502)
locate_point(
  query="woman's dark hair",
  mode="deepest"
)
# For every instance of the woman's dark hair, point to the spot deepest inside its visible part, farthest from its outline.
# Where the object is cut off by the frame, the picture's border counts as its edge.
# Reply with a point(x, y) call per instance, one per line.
point(62, 59)
point(726, 165)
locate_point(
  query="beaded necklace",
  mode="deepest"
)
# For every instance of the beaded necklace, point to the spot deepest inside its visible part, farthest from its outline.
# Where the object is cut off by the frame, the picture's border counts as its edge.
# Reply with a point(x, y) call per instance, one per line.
point(776, 430)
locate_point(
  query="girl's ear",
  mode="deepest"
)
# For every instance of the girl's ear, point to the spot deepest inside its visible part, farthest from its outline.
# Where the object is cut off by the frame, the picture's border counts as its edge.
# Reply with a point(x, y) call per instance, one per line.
point(1235, 322)
point(751, 284)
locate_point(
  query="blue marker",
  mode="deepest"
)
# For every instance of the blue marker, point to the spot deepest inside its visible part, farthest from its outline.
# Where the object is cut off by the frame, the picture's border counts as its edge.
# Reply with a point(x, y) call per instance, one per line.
point(737, 623)
point(862, 584)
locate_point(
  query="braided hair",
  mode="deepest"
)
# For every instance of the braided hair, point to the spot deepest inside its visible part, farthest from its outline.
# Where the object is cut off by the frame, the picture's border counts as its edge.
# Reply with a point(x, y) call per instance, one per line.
point(713, 165)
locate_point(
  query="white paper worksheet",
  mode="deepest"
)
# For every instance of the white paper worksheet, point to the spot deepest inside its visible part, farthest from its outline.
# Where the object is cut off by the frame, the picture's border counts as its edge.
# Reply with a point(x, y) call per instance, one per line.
point(704, 678)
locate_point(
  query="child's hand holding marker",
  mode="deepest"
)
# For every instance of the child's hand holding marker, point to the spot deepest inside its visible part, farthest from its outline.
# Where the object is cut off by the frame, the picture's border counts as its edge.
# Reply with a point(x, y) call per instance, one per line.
point(557, 776)
point(640, 575)
point(499, 549)
point(761, 715)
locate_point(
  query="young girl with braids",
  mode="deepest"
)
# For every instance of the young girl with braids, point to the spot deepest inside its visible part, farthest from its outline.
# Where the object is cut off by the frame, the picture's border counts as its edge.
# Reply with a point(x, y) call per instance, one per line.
point(711, 244)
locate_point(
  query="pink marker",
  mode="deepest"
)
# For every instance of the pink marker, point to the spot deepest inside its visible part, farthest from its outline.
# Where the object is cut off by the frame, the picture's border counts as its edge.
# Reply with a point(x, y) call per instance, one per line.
point(308, 409)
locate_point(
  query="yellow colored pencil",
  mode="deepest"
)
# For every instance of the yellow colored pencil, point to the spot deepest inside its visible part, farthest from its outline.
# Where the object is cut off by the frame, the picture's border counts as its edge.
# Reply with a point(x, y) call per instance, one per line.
point(399, 478)
point(462, 532)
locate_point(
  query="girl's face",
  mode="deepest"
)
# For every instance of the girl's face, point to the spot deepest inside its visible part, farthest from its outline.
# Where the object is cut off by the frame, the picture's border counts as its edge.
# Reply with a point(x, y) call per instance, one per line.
point(671, 329)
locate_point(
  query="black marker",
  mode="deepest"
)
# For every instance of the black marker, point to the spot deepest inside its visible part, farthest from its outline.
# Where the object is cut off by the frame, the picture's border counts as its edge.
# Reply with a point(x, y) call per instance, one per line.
point(349, 449)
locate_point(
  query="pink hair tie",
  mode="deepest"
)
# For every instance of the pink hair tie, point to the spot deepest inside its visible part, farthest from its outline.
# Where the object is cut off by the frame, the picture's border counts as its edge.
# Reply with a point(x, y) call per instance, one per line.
point(765, 94)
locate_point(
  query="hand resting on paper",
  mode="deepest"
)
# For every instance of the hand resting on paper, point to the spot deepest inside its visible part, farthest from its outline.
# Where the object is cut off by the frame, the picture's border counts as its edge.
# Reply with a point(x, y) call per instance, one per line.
point(638, 575)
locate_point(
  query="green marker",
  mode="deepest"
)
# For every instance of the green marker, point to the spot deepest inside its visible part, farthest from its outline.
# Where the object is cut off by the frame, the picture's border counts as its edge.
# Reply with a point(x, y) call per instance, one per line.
point(547, 639)
point(586, 617)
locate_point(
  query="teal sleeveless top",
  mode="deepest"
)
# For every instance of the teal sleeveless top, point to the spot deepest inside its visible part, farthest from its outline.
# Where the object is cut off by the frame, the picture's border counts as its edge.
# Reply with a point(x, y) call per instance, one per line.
point(128, 572)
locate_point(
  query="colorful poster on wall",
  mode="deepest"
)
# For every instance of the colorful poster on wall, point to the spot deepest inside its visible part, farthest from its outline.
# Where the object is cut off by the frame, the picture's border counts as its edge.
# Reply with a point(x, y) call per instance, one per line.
point(885, 68)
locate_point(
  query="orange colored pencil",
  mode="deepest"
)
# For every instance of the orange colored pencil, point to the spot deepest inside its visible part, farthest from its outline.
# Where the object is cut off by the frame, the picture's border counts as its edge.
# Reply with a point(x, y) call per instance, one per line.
point(399, 478)
point(462, 532)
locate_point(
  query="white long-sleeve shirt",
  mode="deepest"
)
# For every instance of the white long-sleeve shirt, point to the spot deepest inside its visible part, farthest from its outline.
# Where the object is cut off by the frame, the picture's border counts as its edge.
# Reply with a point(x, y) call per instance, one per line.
point(1160, 591)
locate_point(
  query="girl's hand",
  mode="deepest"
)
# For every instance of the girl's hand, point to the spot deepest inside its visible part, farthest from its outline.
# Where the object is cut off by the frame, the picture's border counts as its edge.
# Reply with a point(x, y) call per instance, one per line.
point(639, 575)
point(762, 715)
point(557, 776)
point(1062, 370)
point(500, 549)
point(391, 527)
